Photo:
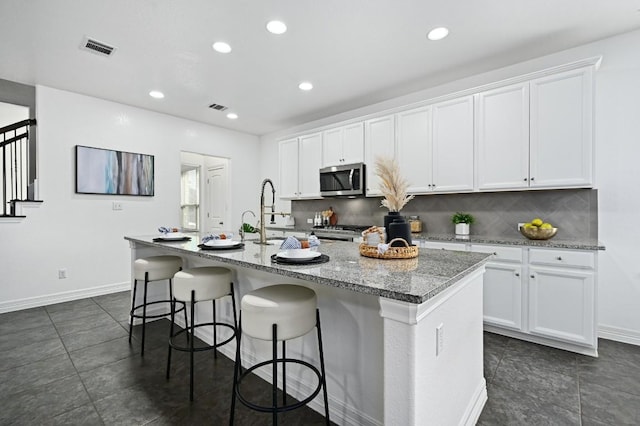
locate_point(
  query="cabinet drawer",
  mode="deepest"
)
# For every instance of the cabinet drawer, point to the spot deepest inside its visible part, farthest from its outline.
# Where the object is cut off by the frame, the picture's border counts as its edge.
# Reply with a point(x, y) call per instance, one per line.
point(443, 246)
point(562, 258)
point(500, 254)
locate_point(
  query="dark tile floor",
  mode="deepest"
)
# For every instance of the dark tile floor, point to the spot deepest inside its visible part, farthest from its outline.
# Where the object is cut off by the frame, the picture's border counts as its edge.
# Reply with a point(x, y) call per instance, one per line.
point(71, 364)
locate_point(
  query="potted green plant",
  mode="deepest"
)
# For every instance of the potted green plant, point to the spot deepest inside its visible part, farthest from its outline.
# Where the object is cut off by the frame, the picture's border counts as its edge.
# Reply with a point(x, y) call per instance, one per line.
point(462, 221)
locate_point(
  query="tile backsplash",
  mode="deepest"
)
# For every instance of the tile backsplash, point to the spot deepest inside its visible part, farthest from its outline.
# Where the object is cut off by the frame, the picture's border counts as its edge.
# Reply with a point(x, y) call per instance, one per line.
point(573, 211)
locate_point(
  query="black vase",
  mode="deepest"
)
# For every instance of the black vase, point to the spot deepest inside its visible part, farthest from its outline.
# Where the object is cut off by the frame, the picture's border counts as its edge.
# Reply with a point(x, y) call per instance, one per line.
point(400, 228)
point(387, 220)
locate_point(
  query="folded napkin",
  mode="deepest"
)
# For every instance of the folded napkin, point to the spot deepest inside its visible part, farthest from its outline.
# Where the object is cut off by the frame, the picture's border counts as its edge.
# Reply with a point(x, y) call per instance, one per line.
point(164, 230)
point(293, 243)
point(225, 236)
point(382, 248)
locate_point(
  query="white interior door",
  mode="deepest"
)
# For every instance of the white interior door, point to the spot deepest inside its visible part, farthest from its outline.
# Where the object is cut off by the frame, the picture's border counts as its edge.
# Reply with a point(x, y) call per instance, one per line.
point(216, 198)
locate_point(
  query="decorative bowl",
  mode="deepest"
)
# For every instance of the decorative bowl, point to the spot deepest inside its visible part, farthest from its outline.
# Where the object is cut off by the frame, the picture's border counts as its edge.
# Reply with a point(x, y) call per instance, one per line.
point(535, 233)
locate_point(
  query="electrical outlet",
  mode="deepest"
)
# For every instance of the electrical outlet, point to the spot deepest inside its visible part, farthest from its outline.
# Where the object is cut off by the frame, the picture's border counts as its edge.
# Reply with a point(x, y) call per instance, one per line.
point(520, 225)
point(309, 221)
point(117, 205)
point(62, 273)
point(439, 339)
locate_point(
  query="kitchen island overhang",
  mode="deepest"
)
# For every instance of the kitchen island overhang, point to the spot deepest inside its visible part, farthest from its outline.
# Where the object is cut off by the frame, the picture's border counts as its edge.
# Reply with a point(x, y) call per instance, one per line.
point(403, 337)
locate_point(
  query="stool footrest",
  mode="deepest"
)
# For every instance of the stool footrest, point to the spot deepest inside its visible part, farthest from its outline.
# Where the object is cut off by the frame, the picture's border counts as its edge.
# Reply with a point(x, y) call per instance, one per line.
point(202, 348)
point(133, 313)
point(283, 408)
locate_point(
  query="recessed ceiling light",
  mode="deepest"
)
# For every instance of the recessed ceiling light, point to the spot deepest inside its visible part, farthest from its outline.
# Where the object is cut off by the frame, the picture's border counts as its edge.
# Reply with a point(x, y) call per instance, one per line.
point(232, 116)
point(305, 85)
point(221, 47)
point(156, 94)
point(276, 27)
point(438, 33)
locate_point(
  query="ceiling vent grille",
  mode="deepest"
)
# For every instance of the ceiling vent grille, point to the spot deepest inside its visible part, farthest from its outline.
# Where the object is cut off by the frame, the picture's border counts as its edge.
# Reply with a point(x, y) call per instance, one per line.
point(97, 47)
point(218, 107)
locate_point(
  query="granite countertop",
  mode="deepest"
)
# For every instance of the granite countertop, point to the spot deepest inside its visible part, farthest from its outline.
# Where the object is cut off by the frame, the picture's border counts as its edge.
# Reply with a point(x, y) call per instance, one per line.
point(410, 280)
point(518, 240)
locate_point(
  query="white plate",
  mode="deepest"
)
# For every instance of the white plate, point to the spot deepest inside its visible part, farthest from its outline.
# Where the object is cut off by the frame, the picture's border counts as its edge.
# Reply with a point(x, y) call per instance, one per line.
point(299, 254)
point(172, 236)
point(221, 243)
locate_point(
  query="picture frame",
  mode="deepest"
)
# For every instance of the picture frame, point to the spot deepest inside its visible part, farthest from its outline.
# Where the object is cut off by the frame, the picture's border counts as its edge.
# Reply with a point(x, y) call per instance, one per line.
point(110, 172)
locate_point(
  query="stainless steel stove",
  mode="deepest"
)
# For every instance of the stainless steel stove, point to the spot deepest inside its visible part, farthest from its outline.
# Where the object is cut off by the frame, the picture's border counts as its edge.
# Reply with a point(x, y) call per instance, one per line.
point(338, 232)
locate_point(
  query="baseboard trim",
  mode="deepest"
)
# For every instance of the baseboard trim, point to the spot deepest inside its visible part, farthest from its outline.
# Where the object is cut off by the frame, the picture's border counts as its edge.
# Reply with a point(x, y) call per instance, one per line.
point(617, 334)
point(50, 299)
point(472, 414)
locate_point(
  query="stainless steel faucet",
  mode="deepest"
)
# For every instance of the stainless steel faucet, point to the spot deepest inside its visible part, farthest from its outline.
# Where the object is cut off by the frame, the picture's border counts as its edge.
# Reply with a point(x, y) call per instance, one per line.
point(242, 224)
point(263, 232)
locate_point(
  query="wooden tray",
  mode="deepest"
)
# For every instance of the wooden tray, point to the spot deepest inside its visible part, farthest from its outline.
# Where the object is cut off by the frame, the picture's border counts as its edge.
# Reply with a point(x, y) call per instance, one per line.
point(406, 252)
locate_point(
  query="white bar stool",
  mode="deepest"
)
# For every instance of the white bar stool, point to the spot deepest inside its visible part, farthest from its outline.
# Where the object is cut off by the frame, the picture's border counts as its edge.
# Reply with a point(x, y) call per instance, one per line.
point(150, 269)
point(278, 313)
point(198, 285)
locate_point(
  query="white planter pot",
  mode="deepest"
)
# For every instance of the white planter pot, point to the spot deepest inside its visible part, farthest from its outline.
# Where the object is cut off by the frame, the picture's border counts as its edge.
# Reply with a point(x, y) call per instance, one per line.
point(462, 229)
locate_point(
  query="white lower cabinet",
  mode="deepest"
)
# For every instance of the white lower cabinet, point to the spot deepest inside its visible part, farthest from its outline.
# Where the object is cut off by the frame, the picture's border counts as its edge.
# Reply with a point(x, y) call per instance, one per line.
point(547, 296)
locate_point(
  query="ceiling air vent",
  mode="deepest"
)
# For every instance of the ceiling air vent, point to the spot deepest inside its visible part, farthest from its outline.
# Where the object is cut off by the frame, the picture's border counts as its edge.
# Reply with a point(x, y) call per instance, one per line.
point(218, 107)
point(97, 47)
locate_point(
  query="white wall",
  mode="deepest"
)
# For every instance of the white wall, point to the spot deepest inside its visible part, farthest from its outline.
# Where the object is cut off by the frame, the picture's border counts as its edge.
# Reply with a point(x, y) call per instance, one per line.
point(617, 127)
point(81, 232)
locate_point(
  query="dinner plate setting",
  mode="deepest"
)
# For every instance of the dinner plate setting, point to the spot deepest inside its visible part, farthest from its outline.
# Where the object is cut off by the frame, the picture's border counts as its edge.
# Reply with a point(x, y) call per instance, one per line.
point(221, 245)
point(283, 259)
point(173, 236)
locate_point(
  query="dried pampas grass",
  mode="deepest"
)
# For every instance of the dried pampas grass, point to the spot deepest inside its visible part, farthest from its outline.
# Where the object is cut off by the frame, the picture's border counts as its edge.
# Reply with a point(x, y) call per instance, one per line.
point(392, 185)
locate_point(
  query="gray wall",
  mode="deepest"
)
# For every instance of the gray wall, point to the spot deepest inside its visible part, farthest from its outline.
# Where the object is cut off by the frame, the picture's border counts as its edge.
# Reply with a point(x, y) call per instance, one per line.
point(573, 211)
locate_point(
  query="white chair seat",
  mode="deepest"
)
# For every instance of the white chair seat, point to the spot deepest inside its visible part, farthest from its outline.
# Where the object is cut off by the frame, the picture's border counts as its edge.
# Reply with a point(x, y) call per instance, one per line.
point(158, 267)
point(291, 307)
point(209, 283)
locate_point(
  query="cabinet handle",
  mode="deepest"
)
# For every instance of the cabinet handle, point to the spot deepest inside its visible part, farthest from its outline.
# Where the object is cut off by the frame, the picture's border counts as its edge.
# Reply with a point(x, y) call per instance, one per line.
point(517, 274)
point(533, 178)
point(525, 179)
point(559, 257)
point(533, 276)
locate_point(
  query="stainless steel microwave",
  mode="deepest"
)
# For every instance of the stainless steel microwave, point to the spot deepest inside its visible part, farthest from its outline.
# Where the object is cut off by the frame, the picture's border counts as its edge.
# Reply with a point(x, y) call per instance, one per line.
point(345, 180)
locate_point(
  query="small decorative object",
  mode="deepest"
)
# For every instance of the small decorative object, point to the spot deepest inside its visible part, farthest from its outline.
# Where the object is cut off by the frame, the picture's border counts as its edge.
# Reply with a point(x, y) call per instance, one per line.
point(462, 222)
point(327, 217)
point(416, 224)
point(386, 251)
point(394, 189)
point(537, 229)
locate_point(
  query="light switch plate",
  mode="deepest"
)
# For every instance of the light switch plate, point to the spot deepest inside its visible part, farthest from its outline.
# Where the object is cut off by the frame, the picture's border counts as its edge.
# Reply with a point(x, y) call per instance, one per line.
point(117, 205)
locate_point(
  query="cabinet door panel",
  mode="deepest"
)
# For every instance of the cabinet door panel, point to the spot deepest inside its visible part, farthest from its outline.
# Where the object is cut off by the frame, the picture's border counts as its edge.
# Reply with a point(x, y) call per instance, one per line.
point(453, 145)
point(562, 304)
point(379, 141)
point(414, 148)
point(502, 295)
point(503, 138)
point(561, 130)
point(353, 143)
point(310, 155)
point(331, 147)
point(289, 168)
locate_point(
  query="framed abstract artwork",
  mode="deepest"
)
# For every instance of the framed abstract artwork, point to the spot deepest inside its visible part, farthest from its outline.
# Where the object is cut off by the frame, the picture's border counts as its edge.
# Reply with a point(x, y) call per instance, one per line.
point(105, 171)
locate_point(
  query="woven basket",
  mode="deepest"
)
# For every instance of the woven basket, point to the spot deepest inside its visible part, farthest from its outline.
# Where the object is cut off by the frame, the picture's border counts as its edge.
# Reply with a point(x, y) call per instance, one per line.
point(406, 252)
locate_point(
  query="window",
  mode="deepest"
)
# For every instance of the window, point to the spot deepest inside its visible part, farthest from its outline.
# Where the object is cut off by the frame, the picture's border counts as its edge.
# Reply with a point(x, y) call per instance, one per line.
point(190, 198)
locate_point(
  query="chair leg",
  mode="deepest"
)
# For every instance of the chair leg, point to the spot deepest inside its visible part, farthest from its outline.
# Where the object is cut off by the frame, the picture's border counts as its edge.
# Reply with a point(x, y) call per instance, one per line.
point(144, 312)
point(236, 367)
point(274, 386)
point(173, 317)
point(324, 377)
point(284, 374)
point(133, 305)
point(193, 325)
point(215, 330)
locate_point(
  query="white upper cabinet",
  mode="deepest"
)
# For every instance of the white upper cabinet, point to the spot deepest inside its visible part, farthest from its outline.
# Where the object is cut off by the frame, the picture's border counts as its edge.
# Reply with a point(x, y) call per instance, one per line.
point(343, 145)
point(502, 125)
point(288, 168)
point(379, 142)
point(453, 145)
point(435, 146)
point(300, 162)
point(414, 148)
point(562, 130)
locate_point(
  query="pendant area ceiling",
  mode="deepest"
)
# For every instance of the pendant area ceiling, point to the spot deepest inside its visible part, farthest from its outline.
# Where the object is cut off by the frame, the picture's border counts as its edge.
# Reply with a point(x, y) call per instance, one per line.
point(354, 52)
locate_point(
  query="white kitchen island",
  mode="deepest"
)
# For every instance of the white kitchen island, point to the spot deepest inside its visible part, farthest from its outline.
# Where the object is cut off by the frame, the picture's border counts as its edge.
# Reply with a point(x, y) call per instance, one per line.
point(402, 338)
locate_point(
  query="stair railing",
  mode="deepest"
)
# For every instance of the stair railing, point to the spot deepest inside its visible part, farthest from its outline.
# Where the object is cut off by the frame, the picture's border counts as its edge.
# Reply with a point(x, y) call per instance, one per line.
point(14, 159)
